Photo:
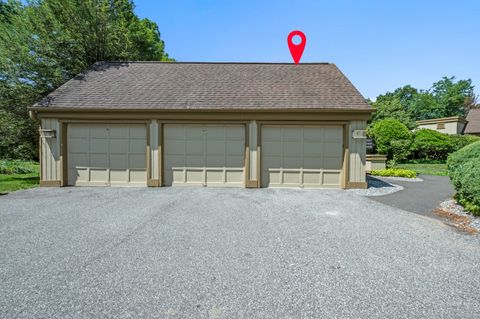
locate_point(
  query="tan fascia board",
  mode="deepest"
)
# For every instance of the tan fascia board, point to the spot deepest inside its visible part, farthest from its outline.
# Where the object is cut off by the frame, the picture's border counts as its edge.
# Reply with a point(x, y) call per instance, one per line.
point(443, 120)
point(220, 114)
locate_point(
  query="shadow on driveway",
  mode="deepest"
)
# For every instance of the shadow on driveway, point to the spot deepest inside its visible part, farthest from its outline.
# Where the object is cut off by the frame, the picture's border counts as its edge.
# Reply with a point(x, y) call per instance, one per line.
point(418, 197)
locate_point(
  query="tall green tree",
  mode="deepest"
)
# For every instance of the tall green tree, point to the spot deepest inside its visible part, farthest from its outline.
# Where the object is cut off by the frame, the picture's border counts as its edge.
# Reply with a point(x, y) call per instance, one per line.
point(45, 43)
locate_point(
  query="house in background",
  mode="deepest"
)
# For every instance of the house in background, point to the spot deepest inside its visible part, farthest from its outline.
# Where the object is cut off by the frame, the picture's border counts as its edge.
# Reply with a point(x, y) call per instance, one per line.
point(446, 125)
point(204, 124)
point(473, 125)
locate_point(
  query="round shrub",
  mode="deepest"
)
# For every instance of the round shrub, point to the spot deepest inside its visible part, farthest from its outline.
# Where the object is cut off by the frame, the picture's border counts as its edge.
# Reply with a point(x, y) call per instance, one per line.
point(430, 145)
point(384, 132)
point(460, 141)
point(464, 171)
point(463, 155)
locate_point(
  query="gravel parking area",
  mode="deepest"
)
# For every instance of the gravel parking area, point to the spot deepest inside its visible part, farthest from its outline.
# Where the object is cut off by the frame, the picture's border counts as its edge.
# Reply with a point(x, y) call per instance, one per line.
point(228, 253)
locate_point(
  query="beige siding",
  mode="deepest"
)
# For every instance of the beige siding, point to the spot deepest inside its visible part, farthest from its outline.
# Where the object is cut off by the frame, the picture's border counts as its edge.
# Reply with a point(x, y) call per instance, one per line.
point(154, 155)
point(446, 128)
point(50, 151)
point(357, 150)
point(253, 136)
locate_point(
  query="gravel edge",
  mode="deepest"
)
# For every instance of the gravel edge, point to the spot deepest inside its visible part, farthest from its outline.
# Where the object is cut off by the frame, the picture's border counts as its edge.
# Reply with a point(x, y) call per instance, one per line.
point(452, 206)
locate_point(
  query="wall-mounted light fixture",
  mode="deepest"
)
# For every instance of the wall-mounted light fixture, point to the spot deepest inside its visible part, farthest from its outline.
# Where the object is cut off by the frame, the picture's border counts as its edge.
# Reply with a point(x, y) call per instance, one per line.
point(359, 134)
point(48, 133)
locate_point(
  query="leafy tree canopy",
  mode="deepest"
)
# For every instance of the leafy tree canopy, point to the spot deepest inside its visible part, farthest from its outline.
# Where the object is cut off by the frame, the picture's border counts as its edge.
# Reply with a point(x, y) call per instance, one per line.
point(407, 104)
point(44, 43)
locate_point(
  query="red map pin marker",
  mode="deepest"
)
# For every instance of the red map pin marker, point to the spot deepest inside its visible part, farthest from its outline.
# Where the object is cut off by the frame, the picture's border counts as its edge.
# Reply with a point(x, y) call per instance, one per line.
point(296, 49)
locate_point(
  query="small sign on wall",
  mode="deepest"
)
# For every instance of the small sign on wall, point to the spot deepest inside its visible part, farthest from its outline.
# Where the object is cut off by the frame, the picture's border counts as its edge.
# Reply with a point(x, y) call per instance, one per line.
point(48, 133)
point(359, 134)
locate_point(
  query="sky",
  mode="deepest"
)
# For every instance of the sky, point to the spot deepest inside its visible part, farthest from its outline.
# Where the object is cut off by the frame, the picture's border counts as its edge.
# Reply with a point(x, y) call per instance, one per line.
point(379, 45)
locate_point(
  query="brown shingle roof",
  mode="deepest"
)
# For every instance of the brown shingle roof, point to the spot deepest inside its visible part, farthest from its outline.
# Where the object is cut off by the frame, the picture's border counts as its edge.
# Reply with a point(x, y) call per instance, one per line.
point(172, 85)
point(473, 125)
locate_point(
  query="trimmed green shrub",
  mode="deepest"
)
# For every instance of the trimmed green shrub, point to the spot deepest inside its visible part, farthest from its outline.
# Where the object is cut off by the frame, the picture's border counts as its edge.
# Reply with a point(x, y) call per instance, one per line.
point(397, 172)
point(14, 167)
point(430, 145)
point(392, 138)
point(463, 155)
point(464, 171)
point(460, 141)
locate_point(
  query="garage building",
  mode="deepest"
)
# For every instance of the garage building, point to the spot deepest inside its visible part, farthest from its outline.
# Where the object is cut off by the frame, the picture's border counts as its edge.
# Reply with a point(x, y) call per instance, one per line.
point(204, 124)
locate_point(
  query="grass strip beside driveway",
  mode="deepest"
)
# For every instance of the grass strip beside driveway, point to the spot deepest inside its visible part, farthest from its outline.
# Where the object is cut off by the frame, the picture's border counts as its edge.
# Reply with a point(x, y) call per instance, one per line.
point(426, 169)
point(15, 182)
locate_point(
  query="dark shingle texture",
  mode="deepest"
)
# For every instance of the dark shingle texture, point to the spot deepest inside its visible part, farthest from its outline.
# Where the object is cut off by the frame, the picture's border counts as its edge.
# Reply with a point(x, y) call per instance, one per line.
point(166, 85)
point(473, 125)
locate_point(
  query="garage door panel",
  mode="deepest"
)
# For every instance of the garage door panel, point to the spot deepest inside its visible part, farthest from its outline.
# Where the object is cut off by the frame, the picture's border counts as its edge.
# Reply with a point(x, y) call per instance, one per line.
point(292, 134)
point(98, 175)
point(211, 155)
point(234, 177)
point(98, 160)
point(79, 145)
point(98, 131)
point(215, 176)
point(293, 178)
point(297, 156)
point(216, 147)
point(312, 149)
point(138, 132)
point(234, 162)
point(194, 147)
point(311, 134)
point(331, 178)
point(98, 145)
point(272, 148)
point(235, 133)
point(118, 176)
point(195, 132)
point(235, 148)
point(137, 161)
point(175, 148)
point(332, 134)
point(107, 154)
point(215, 133)
point(332, 150)
point(78, 159)
point(119, 161)
point(271, 134)
point(138, 176)
point(194, 176)
point(194, 161)
point(118, 131)
point(312, 178)
point(293, 162)
point(137, 146)
point(214, 161)
point(118, 146)
point(332, 162)
point(292, 148)
point(78, 132)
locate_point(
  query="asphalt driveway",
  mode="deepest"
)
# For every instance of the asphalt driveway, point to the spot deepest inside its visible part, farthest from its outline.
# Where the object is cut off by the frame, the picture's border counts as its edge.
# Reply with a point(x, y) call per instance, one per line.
point(419, 197)
point(228, 253)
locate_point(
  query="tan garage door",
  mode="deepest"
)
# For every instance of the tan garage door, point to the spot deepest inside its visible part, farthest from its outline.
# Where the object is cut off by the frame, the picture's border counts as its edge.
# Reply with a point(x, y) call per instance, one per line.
point(301, 156)
point(204, 155)
point(107, 154)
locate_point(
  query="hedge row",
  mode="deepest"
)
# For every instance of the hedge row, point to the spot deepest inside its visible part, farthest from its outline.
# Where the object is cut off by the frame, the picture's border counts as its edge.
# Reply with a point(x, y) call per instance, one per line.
point(464, 171)
point(396, 141)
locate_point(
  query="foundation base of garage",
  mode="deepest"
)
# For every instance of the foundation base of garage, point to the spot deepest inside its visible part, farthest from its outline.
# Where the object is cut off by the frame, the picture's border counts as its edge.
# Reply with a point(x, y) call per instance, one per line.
point(357, 185)
point(50, 184)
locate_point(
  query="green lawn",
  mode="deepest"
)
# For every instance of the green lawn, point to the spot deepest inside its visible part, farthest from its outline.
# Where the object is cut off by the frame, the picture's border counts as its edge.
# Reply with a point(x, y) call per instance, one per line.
point(14, 182)
point(426, 169)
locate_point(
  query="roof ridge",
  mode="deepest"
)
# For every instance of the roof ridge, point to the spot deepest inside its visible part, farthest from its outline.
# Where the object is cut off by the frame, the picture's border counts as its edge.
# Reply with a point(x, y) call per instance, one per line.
point(202, 62)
